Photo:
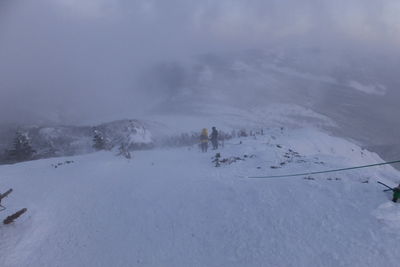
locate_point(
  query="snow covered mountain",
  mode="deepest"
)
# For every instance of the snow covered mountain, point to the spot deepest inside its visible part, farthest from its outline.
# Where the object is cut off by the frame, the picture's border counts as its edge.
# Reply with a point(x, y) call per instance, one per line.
point(173, 207)
point(360, 94)
point(356, 96)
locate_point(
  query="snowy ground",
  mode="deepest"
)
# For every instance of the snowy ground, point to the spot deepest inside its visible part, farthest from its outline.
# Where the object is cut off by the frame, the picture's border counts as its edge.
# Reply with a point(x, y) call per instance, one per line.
point(172, 207)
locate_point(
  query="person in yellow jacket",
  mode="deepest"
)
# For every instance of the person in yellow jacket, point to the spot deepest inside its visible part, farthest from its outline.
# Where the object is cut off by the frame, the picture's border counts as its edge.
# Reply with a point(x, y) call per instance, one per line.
point(204, 140)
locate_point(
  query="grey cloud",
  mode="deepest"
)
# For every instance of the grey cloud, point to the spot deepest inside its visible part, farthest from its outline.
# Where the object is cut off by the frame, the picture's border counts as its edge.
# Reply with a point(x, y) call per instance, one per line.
point(78, 60)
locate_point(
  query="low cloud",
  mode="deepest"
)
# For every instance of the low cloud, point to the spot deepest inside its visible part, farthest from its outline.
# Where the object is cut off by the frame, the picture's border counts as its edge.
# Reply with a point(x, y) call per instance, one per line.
point(78, 60)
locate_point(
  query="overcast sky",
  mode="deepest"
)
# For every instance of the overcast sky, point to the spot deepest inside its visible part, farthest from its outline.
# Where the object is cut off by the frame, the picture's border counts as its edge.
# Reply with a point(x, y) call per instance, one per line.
point(76, 60)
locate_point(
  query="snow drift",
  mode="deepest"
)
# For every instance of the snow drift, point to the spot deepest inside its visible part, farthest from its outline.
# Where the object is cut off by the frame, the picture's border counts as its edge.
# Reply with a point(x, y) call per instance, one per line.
point(172, 207)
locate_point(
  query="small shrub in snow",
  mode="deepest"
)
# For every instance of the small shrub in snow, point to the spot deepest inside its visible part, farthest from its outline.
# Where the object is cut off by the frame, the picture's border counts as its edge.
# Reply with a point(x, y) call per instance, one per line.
point(243, 133)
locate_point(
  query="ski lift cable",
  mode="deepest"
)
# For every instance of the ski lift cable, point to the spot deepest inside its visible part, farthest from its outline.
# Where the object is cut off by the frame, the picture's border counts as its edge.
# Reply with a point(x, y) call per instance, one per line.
point(328, 171)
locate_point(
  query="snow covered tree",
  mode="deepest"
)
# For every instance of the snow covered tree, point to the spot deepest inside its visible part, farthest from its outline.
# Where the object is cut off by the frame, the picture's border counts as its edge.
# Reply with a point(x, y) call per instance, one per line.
point(22, 149)
point(99, 142)
point(124, 151)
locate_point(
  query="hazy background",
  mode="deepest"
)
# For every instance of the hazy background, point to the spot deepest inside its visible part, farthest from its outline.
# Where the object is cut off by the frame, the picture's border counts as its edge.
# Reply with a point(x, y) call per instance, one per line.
point(79, 61)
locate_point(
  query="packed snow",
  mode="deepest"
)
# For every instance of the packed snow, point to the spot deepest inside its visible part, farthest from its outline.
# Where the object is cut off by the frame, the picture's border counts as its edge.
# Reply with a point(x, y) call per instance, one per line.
point(173, 207)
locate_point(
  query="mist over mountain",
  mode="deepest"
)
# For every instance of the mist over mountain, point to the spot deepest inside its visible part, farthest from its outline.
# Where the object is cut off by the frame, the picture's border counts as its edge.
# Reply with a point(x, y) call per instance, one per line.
point(68, 62)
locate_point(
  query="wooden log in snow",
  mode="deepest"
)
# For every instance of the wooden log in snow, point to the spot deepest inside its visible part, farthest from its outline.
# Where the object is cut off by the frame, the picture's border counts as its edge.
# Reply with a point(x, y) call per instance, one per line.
point(5, 194)
point(15, 216)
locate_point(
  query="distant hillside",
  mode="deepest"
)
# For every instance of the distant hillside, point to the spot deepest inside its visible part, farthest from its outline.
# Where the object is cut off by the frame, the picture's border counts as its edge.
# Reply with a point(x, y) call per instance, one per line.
point(55, 141)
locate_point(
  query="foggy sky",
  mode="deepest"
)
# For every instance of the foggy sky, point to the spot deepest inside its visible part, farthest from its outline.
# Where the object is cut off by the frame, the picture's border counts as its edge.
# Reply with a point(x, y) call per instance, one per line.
point(77, 60)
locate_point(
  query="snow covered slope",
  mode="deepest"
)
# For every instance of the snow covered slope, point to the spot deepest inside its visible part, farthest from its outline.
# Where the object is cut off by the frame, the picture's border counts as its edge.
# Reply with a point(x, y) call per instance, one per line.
point(359, 93)
point(172, 207)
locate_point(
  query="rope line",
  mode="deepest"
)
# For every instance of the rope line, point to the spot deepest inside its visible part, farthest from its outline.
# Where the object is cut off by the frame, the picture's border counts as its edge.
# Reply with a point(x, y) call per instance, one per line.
point(328, 171)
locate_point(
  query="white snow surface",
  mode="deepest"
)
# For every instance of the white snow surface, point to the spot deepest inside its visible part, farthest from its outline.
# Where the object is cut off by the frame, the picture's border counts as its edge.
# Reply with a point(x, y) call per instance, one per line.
point(172, 207)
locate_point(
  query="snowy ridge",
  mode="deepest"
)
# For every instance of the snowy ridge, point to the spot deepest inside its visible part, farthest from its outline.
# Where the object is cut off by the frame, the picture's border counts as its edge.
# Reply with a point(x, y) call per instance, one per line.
point(228, 118)
point(373, 89)
point(172, 207)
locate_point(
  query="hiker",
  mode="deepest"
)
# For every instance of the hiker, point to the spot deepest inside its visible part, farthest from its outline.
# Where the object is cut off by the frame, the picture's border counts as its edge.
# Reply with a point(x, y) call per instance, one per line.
point(396, 193)
point(204, 140)
point(214, 138)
